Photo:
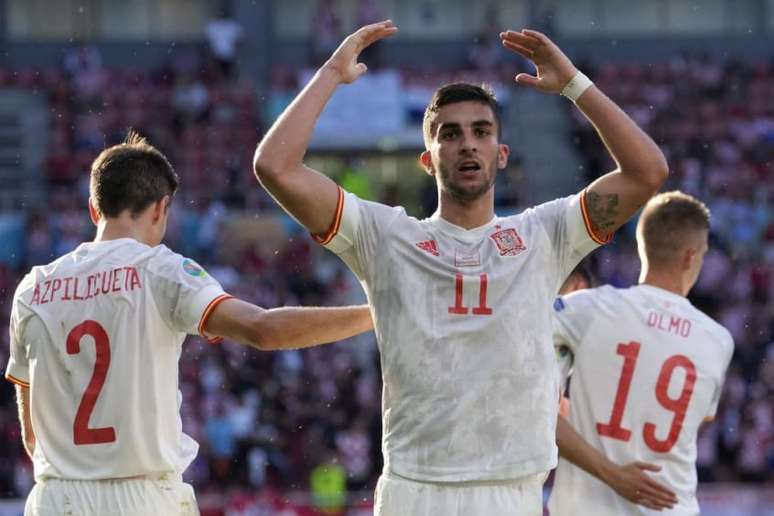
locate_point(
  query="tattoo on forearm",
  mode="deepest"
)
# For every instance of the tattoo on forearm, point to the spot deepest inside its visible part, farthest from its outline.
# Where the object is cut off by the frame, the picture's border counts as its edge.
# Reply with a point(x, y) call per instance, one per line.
point(603, 210)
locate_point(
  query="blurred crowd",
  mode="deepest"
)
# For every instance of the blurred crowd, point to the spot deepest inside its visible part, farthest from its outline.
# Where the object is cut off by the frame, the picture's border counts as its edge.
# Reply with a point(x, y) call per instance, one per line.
point(272, 425)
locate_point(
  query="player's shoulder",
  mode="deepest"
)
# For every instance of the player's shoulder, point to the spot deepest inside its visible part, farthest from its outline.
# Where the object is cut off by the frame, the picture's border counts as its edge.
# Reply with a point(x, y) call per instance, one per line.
point(39, 273)
point(161, 258)
point(551, 207)
point(380, 215)
point(598, 303)
point(597, 295)
point(162, 262)
point(26, 285)
point(714, 328)
point(376, 207)
point(542, 215)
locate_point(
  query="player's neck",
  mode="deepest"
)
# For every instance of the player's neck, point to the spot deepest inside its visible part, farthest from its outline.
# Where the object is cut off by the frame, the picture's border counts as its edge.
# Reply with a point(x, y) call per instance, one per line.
point(466, 214)
point(114, 229)
point(665, 281)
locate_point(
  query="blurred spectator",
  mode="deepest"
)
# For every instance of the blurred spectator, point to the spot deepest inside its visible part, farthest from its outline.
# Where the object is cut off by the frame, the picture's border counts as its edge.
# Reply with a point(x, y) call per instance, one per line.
point(367, 12)
point(326, 31)
point(223, 36)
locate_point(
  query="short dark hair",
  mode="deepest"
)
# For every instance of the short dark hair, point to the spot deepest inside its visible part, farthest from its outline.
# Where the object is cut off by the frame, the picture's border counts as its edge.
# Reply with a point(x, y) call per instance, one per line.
point(458, 92)
point(665, 222)
point(130, 176)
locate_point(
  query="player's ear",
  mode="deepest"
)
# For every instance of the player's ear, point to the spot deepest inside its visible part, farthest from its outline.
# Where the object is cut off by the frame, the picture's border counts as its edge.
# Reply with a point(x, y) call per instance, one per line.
point(166, 201)
point(502, 156)
point(426, 161)
point(689, 254)
point(160, 208)
point(93, 213)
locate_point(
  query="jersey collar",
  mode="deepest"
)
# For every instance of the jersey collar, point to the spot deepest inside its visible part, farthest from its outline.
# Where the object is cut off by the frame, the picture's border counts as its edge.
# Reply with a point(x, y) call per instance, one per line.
point(662, 293)
point(465, 235)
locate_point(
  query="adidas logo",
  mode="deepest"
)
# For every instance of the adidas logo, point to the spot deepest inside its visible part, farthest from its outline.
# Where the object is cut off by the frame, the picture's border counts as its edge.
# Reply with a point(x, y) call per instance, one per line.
point(430, 246)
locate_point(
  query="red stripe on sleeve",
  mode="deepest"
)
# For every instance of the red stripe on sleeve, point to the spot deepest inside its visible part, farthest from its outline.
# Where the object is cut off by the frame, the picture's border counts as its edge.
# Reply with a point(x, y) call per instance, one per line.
point(590, 229)
point(335, 225)
point(207, 312)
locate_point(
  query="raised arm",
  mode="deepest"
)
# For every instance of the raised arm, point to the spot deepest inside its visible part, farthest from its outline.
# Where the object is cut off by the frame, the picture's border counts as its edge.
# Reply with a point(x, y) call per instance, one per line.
point(286, 328)
point(629, 481)
point(613, 198)
point(304, 193)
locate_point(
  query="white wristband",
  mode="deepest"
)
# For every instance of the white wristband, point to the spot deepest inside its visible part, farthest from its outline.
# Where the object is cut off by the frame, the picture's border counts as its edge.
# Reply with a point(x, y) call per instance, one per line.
point(577, 85)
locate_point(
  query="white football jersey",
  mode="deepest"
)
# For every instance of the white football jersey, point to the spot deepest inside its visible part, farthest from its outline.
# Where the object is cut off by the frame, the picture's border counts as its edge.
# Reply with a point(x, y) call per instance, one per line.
point(96, 335)
point(463, 322)
point(648, 369)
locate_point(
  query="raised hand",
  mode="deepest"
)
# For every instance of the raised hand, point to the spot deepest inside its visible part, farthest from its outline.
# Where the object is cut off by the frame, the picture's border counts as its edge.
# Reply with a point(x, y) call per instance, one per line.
point(554, 69)
point(632, 483)
point(343, 62)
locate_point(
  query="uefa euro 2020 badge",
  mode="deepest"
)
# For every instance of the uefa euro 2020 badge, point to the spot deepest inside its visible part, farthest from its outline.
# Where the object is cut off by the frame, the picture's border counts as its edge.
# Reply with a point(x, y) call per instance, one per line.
point(192, 269)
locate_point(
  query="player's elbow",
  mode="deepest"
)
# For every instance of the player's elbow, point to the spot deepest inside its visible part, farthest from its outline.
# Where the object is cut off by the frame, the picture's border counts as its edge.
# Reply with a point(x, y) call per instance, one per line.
point(265, 166)
point(264, 332)
point(655, 171)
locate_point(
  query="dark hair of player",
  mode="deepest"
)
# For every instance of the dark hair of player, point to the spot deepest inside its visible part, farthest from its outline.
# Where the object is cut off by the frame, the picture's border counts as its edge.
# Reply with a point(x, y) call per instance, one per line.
point(458, 92)
point(130, 176)
point(667, 220)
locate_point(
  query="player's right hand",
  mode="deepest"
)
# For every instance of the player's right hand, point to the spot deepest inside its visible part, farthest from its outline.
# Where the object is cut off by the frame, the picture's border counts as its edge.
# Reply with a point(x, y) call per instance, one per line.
point(343, 62)
point(632, 483)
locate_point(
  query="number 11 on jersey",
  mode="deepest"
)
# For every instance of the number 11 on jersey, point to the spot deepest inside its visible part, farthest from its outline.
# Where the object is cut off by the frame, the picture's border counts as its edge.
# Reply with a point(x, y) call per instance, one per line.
point(459, 308)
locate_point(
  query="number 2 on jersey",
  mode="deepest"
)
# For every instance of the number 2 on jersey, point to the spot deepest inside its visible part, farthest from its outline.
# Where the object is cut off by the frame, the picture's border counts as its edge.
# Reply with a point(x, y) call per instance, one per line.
point(679, 405)
point(82, 434)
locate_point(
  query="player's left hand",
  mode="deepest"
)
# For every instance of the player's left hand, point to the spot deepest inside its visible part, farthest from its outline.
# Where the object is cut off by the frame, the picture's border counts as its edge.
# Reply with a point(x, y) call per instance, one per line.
point(632, 483)
point(554, 69)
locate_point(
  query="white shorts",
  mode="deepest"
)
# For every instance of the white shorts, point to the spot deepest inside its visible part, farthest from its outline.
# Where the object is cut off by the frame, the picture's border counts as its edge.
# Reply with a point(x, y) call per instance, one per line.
point(399, 496)
point(166, 495)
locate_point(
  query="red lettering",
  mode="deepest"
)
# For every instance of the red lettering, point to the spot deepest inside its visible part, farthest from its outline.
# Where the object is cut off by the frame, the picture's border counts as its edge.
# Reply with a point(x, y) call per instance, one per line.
point(82, 433)
point(56, 285)
point(107, 278)
point(679, 405)
point(677, 325)
point(75, 290)
point(91, 281)
point(674, 324)
point(116, 279)
point(630, 351)
point(458, 308)
point(36, 295)
point(43, 299)
point(66, 296)
point(134, 278)
point(482, 309)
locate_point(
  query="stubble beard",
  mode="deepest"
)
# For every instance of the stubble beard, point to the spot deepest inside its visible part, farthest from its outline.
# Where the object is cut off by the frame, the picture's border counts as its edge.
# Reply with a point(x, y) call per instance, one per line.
point(466, 193)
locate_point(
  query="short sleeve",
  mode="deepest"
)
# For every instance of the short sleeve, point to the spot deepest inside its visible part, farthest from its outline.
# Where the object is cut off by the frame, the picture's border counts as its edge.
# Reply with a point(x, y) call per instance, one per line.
point(573, 315)
point(18, 370)
point(184, 292)
point(570, 231)
point(729, 351)
point(358, 232)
